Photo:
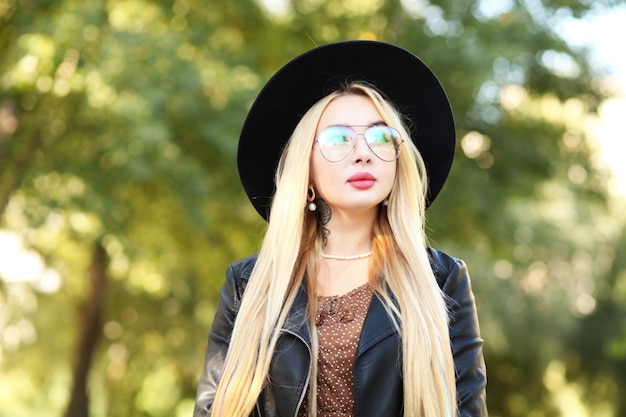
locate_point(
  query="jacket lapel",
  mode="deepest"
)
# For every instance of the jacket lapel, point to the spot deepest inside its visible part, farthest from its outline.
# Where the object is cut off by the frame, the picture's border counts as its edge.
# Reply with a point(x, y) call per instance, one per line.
point(297, 321)
point(376, 327)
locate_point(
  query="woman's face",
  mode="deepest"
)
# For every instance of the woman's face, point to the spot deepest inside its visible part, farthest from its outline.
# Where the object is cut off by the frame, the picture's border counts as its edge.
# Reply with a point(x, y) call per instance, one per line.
point(361, 180)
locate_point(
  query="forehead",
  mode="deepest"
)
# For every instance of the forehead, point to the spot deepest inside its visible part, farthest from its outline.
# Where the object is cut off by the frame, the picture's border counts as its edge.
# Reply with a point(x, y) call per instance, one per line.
point(350, 109)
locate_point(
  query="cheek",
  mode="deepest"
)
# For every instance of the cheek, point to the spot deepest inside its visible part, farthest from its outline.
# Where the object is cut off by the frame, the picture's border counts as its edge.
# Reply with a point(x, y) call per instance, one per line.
point(313, 169)
point(318, 168)
point(390, 177)
point(323, 177)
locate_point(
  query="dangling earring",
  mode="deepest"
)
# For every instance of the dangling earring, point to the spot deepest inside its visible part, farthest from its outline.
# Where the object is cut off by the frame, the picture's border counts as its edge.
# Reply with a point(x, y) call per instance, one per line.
point(310, 197)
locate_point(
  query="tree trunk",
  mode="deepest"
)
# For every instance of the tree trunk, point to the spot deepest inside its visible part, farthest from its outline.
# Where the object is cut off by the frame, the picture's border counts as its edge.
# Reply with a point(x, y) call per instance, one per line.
point(89, 333)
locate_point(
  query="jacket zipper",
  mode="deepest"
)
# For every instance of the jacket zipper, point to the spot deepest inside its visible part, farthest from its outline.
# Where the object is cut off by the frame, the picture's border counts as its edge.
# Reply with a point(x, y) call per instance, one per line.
point(308, 375)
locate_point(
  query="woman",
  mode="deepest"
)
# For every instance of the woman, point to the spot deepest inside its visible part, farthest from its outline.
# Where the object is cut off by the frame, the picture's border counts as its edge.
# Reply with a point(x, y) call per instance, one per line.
point(345, 311)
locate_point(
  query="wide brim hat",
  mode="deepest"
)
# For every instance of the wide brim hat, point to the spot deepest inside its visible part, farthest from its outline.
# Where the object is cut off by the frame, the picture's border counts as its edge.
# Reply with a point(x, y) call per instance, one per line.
point(396, 73)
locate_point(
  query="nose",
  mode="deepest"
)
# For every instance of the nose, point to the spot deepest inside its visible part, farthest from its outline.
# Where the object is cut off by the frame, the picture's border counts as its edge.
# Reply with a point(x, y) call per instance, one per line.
point(362, 152)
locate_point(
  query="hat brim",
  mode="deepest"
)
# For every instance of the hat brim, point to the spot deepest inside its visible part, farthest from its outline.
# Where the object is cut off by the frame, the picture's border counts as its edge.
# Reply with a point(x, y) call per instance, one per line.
point(395, 72)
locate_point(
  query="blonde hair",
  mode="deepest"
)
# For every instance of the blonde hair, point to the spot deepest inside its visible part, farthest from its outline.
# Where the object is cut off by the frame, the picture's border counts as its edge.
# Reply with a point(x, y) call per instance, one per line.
point(290, 251)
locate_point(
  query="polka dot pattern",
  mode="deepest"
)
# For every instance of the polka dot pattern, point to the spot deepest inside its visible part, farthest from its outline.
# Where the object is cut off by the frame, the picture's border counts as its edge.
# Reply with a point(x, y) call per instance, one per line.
point(339, 323)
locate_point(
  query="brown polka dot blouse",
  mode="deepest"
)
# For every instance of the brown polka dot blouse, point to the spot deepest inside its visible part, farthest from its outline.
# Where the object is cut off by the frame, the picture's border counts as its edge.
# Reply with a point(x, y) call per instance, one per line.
point(339, 323)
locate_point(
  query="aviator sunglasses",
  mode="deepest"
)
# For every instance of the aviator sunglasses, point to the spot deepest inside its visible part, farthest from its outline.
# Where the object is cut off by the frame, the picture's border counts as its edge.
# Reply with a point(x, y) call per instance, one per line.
point(336, 142)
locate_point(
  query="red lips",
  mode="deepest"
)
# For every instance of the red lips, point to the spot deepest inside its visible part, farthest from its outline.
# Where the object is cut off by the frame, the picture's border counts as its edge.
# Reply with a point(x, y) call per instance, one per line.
point(362, 180)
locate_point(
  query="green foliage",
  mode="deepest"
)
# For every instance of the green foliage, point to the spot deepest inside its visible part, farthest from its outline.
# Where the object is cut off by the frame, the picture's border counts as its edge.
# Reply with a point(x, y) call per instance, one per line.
point(119, 123)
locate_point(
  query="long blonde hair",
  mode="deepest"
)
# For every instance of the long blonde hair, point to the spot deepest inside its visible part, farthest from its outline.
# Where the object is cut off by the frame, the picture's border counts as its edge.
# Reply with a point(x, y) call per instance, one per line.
point(290, 251)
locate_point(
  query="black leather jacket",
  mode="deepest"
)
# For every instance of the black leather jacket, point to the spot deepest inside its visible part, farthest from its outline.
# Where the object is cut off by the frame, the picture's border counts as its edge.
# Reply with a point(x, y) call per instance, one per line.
point(377, 377)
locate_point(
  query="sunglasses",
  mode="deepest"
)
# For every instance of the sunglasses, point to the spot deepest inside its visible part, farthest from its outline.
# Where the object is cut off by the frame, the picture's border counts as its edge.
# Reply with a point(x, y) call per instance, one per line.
point(336, 142)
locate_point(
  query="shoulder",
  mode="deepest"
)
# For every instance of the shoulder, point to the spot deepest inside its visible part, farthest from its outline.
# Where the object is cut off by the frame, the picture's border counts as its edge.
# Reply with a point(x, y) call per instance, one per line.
point(451, 273)
point(443, 264)
point(242, 268)
point(237, 276)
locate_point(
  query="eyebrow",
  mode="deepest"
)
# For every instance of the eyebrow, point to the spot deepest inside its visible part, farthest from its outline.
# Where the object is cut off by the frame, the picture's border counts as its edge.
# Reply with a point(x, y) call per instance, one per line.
point(378, 123)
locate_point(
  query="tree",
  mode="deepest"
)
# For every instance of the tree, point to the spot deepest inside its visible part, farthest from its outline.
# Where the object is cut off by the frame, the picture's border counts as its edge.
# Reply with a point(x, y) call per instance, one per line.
point(118, 130)
point(123, 159)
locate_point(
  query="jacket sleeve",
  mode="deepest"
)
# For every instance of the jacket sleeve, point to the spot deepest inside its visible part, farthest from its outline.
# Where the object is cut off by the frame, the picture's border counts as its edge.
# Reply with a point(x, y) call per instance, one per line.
point(217, 347)
point(465, 337)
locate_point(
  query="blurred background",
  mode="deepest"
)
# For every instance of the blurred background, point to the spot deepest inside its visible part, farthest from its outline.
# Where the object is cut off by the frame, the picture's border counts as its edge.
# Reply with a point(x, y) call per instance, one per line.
point(120, 205)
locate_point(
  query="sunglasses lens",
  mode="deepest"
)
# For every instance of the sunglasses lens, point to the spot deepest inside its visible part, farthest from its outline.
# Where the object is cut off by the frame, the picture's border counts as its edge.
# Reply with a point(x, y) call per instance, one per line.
point(336, 142)
point(384, 141)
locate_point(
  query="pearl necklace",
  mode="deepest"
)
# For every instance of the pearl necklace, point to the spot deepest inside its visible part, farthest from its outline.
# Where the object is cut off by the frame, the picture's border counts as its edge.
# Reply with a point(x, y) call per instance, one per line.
point(346, 258)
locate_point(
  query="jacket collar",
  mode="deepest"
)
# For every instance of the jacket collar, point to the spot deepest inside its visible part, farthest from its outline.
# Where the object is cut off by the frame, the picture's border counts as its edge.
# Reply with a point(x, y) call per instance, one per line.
point(376, 327)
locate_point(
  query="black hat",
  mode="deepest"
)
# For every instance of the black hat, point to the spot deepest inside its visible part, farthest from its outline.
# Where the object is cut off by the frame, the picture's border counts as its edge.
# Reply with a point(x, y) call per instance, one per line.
point(399, 75)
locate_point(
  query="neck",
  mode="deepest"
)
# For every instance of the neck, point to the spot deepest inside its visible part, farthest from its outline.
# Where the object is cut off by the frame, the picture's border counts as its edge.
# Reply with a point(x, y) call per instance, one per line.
point(349, 235)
